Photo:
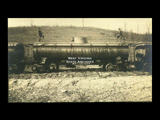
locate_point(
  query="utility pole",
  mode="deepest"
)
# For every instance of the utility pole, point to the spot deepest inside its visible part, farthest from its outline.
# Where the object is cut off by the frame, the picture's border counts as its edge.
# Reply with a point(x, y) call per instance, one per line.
point(31, 22)
point(126, 34)
point(137, 28)
point(125, 26)
point(148, 31)
point(137, 32)
point(83, 22)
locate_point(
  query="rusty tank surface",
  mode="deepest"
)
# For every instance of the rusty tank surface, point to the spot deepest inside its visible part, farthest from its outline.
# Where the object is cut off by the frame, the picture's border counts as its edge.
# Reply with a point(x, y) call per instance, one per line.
point(95, 51)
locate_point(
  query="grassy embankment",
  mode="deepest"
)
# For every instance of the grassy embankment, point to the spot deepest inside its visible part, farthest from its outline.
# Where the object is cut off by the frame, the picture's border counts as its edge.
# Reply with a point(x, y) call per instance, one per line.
point(64, 34)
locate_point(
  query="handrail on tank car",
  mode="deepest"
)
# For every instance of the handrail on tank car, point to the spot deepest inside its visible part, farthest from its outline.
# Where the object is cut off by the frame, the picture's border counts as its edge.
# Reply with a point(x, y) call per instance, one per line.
point(80, 44)
point(85, 45)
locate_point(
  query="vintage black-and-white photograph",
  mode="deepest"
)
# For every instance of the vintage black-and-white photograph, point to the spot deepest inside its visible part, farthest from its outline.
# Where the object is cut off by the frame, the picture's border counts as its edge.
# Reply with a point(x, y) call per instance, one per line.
point(79, 60)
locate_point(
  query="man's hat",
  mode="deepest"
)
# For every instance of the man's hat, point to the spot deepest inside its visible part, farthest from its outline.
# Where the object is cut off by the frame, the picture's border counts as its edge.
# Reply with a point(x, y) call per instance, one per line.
point(119, 28)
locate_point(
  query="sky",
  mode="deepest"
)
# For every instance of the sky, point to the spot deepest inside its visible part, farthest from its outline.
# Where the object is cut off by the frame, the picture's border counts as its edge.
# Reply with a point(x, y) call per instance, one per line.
point(136, 25)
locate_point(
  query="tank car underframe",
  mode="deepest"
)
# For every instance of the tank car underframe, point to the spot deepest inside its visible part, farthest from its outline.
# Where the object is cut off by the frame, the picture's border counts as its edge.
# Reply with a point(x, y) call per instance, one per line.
point(45, 65)
point(49, 65)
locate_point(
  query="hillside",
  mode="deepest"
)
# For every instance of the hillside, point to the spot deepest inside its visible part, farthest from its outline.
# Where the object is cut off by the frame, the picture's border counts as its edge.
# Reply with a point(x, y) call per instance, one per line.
point(59, 34)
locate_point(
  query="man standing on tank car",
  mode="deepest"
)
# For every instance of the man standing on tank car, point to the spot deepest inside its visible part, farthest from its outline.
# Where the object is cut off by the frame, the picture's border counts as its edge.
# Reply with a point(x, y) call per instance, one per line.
point(119, 33)
point(40, 35)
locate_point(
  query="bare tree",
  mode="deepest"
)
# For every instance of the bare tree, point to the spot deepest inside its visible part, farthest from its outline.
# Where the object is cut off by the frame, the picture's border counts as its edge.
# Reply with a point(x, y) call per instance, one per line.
point(148, 35)
point(126, 33)
point(83, 22)
point(148, 28)
point(137, 35)
point(131, 35)
point(31, 22)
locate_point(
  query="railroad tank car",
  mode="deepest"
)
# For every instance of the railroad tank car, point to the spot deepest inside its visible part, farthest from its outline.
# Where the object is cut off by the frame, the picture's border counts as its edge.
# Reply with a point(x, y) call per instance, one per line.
point(16, 57)
point(144, 57)
point(48, 56)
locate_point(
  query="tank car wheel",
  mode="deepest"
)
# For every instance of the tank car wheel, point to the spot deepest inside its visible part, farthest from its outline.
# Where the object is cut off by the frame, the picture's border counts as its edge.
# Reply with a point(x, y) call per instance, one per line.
point(108, 67)
point(34, 67)
point(52, 67)
point(40, 69)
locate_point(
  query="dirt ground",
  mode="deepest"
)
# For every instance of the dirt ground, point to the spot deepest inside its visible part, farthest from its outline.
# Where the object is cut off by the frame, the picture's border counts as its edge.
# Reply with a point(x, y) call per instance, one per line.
point(78, 85)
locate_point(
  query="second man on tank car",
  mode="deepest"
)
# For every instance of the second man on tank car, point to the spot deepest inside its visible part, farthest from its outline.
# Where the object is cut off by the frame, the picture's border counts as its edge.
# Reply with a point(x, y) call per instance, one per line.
point(40, 35)
point(119, 35)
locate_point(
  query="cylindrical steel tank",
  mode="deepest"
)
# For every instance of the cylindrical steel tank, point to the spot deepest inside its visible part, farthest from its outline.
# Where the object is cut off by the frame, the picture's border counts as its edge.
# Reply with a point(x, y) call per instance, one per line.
point(95, 51)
